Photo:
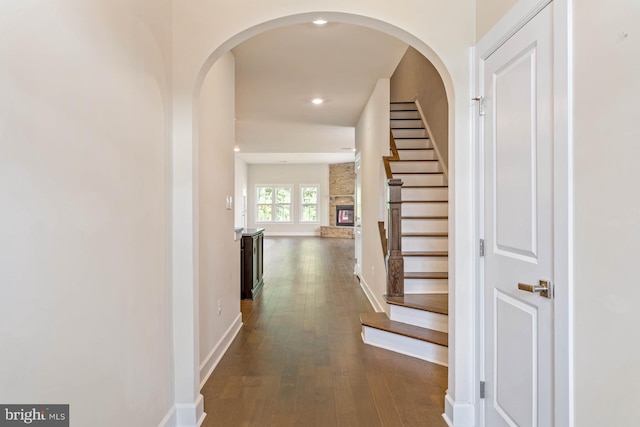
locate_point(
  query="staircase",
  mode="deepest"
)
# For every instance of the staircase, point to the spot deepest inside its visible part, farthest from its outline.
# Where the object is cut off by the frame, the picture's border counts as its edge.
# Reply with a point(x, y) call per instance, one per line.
point(417, 324)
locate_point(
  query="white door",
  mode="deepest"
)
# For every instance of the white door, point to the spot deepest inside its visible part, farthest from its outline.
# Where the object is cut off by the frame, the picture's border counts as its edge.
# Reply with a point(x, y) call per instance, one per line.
point(358, 221)
point(518, 219)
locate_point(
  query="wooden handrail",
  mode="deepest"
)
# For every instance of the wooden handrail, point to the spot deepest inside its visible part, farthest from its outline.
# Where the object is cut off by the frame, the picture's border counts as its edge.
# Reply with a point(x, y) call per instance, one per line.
point(383, 237)
point(394, 156)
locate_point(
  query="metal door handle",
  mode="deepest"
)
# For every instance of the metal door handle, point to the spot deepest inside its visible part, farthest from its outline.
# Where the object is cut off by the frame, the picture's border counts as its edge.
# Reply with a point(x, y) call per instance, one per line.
point(544, 288)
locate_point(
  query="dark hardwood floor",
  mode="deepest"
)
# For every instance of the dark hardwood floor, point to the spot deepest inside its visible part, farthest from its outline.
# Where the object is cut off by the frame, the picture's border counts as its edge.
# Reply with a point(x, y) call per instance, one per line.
point(299, 359)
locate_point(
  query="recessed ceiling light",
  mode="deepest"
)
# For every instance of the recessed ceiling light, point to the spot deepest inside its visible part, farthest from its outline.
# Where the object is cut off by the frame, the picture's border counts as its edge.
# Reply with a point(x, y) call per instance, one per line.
point(320, 22)
point(317, 101)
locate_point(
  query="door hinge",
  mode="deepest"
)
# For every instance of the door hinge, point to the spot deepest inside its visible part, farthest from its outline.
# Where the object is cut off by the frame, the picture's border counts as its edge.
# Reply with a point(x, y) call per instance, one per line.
point(482, 389)
point(481, 247)
point(480, 100)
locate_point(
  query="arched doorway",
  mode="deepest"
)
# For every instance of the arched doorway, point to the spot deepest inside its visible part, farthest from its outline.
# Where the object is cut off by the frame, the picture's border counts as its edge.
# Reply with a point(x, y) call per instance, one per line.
point(189, 77)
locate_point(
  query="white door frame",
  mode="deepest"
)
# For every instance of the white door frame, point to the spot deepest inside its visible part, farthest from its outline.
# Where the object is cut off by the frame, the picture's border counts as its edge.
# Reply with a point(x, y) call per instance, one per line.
point(515, 19)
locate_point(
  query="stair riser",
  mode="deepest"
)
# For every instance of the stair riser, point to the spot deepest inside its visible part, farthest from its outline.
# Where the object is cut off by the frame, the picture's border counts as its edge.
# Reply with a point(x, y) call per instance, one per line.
point(425, 194)
point(409, 133)
point(414, 143)
point(426, 286)
point(421, 264)
point(424, 225)
point(399, 167)
point(425, 209)
point(405, 115)
point(418, 179)
point(402, 123)
point(416, 154)
point(403, 106)
point(419, 244)
point(430, 352)
point(424, 319)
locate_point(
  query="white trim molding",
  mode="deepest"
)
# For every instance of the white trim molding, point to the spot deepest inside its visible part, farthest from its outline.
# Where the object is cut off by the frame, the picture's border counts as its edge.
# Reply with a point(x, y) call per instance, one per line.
point(169, 420)
point(458, 414)
point(190, 415)
point(370, 296)
point(213, 358)
point(435, 143)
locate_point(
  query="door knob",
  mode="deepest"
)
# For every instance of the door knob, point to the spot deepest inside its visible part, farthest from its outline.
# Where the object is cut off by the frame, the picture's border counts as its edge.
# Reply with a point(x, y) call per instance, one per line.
point(544, 288)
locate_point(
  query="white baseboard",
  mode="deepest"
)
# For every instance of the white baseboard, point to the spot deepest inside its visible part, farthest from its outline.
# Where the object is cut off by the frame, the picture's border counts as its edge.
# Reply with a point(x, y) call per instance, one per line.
point(169, 420)
point(370, 296)
point(292, 233)
point(458, 414)
point(445, 170)
point(192, 414)
point(213, 358)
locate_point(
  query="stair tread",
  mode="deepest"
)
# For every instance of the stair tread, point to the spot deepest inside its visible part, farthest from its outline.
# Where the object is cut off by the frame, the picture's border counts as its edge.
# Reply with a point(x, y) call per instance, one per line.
point(410, 137)
point(426, 275)
point(435, 303)
point(408, 118)
point(413, 149)
point(382, 322)
point(434, 234)
point(425, 253)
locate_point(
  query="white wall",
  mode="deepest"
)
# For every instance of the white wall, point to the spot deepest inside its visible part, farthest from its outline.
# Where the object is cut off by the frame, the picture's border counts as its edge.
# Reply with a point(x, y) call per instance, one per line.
point(242, 192)
point(219, 253)
point(372, 142)
point(295, 175)
point(607, 212)
point(84, 249)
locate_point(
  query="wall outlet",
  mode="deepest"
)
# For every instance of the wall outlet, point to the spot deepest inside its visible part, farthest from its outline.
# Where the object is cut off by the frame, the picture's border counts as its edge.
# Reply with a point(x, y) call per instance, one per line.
point(219, 307)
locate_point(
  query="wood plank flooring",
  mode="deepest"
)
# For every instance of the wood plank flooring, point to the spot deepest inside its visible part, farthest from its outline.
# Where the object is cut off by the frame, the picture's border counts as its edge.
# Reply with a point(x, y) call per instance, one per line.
point(299, 359)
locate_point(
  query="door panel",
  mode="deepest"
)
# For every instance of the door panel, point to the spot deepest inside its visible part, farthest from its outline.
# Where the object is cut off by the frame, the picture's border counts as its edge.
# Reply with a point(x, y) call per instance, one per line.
point(518, 194)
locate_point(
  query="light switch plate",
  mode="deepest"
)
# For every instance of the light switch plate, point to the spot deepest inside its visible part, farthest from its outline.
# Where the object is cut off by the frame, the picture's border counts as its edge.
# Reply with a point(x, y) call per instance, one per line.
point(229, 202)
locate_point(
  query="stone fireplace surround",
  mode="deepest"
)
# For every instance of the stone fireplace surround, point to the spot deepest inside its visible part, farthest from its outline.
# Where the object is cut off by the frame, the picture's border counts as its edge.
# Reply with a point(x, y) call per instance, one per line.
point(342, 182)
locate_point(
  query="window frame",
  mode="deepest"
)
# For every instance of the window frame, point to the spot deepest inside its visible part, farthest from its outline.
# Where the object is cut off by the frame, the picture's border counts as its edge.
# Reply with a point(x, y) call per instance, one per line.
point(274, 204)
point(301, 203)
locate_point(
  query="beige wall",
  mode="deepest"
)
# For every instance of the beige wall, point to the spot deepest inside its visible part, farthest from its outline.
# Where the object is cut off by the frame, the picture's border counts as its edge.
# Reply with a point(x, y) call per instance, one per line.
point(416, 78)
point(606, 212)
point(489, 12)
point(219, 253)
point(84, 224)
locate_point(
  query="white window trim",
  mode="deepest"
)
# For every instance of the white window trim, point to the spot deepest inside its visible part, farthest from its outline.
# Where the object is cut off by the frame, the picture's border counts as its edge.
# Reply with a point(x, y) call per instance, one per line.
point(300, 204)
point(273, 204)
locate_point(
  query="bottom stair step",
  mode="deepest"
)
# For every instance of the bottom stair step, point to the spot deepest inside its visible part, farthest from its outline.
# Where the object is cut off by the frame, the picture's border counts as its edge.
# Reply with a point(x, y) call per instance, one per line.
point(426, 344)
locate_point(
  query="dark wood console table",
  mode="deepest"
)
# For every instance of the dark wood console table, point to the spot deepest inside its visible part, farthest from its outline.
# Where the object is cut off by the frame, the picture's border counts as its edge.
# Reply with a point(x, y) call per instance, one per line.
point(251, 262)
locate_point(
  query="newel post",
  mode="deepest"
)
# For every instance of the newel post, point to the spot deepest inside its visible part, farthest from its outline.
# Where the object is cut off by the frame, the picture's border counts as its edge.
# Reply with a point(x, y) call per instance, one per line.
point(394, 259)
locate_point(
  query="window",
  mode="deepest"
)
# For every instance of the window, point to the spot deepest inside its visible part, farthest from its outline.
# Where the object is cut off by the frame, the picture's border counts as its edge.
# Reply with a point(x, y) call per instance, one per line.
point(308, 203)
point(273, 203)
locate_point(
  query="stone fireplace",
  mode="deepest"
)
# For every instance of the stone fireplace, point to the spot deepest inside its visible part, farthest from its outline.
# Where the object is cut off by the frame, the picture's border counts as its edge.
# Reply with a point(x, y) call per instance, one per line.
point(342, 183)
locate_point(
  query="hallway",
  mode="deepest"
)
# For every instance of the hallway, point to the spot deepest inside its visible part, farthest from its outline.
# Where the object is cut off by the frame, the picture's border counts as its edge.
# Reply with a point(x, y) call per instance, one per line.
point(299, 358)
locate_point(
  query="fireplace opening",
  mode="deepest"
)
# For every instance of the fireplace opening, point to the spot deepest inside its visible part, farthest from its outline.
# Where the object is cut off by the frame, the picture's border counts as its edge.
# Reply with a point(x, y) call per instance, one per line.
point(344, 215)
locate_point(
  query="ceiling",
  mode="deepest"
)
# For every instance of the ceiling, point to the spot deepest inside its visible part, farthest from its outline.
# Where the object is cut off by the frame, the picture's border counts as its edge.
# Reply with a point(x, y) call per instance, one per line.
point(278, 73)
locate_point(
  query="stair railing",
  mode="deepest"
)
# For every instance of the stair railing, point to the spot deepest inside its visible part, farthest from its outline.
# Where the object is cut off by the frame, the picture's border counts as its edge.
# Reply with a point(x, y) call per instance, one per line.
point(394, 259)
